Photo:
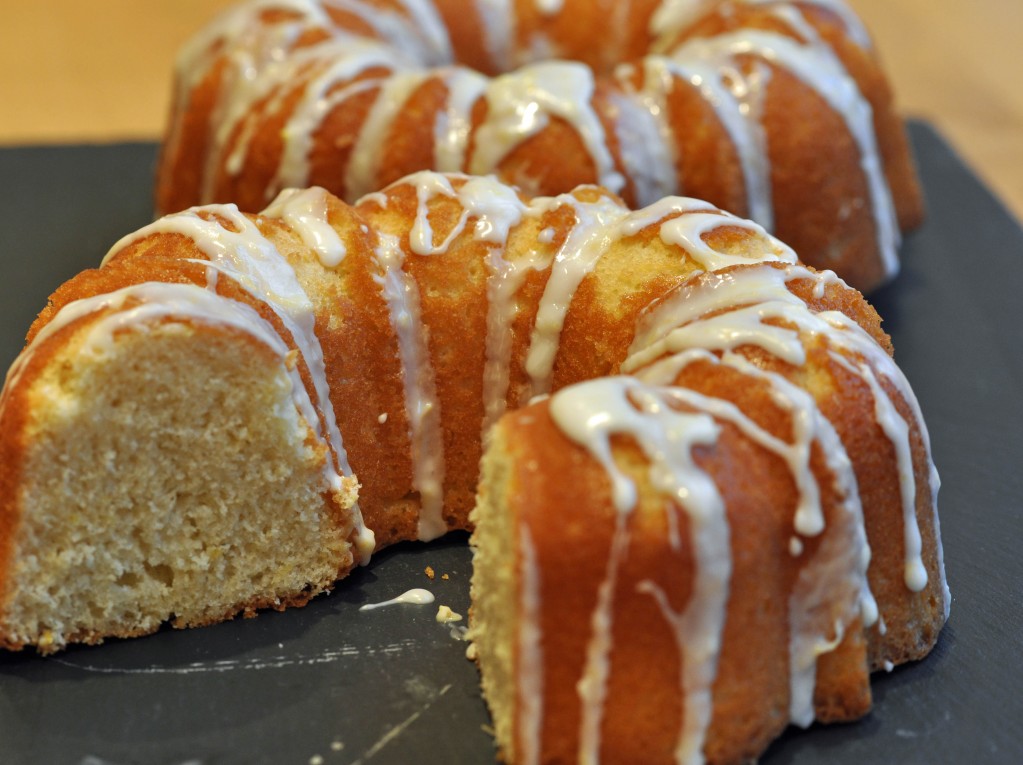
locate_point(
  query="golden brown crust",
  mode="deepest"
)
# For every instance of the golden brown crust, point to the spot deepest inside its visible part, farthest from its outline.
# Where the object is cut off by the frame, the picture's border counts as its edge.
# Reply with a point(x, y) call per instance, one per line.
point(571, 525)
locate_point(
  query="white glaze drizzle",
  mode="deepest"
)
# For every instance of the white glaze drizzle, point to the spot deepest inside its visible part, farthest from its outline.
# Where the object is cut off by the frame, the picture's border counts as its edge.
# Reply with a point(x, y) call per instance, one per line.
point(521, 104)
point(737, 99)
point(815, 64)
point(590, 414)
point(685, 221)
point(549, 7)
point(305, 212)
point(647, 158)
point(341, 61)
point(677, 322)
point(254, 263)
point(364, 162)
point(754, 295)
point(415, 597)
point(495, 208)
point(672, 16)
point(257, 66)
point(454, 122)
point(661, 150)
point(504, 279)
point(498, 24)
point(264, 60)
point(250, 48)
point(852, 23)
point(401, 294)
point(236, 115)
point(594, 230)
point(832, 587)
point(419, 31)
point(897, 431)
point(240, 26)
point(428, 185)
point(598, 225)
point(808, 518)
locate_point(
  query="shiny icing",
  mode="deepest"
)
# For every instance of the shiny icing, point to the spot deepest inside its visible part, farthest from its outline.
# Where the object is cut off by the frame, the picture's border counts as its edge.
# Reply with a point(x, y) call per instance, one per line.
point(401, 293)
point(598, 225)
point(750, 299)
point(453, 128)
point(416, 597)
point(684, 222)
point(838, 571)
point(590, 414)
point(736, 98)
point(498, 23)
point(812, 62)
point(493, 209)
point(708, 324)
point(363, 166)
point(594, 230)
point(305, 212)
point(647, 153)
point(521, 104)
point(338, 63)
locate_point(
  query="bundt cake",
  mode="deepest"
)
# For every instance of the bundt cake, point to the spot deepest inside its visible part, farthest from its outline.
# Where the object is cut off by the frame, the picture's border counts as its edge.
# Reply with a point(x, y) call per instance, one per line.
point(777, 111)
point(717, 437)
point(753, 506)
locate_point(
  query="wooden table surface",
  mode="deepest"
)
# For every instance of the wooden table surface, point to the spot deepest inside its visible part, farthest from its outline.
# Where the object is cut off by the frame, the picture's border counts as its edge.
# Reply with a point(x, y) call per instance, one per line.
point(100, 71)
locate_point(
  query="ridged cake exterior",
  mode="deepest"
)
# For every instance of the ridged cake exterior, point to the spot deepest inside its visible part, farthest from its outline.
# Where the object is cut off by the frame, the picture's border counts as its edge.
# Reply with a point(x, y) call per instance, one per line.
point(776, 111)
point(750, 529)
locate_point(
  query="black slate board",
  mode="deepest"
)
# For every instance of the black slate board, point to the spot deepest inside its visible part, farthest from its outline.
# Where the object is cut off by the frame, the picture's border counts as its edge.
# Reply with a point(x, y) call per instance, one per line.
point(392, 686)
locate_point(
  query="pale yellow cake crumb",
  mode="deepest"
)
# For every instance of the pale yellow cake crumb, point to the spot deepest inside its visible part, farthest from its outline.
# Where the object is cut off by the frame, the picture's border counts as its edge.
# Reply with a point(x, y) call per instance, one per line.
point(445, 615)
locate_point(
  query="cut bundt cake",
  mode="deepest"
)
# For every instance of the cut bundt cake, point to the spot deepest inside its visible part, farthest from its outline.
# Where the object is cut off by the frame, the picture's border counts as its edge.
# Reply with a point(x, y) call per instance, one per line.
point(718, 436)
point(754, 506)
point(775, 110)
point(392, 333)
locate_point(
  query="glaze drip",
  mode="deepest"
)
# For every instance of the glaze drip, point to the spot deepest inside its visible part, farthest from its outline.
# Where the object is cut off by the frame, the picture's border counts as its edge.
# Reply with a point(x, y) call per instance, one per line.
point(759, 310)
point(591, 414)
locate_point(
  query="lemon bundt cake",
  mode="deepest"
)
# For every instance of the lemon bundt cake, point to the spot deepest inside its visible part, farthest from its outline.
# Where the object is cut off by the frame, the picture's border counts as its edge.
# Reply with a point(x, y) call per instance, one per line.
point(718, 437)
point(752, 505)
point(777, 111)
